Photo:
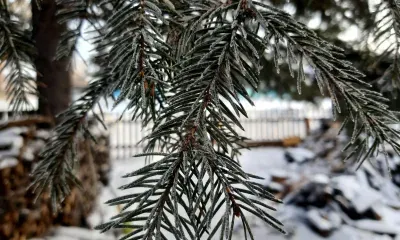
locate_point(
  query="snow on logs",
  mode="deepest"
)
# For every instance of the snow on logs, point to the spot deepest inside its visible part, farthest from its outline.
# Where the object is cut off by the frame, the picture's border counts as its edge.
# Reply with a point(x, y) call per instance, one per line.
point(21, 217)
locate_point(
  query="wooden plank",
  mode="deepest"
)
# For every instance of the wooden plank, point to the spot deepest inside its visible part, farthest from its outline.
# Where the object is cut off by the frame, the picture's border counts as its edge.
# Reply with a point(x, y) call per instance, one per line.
point(26, 122)
point(286, 142)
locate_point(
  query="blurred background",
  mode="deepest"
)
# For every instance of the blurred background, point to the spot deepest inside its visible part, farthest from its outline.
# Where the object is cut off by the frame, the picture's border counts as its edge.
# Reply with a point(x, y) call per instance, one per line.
point(294, 142)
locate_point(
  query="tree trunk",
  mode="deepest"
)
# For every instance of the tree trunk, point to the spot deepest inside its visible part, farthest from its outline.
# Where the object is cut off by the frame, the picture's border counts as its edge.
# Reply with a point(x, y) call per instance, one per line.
point(53, 76)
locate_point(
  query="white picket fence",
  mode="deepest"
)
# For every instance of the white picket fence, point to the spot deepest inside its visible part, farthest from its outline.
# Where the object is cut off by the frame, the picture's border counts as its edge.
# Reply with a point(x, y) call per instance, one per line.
point(263, 124)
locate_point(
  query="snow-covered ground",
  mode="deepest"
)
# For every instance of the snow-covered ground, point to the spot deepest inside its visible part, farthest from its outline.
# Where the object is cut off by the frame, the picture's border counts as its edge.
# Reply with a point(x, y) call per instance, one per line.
point(308, 222)
point(303, 218)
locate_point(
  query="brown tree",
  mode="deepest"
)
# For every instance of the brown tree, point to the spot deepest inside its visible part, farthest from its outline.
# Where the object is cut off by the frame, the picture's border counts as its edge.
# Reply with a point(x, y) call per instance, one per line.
point(53, 75)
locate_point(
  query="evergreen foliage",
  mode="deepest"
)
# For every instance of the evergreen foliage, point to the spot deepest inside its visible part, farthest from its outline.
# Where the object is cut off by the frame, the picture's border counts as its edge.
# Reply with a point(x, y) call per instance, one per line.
point(184, 66)
point(376, 22)
point(386, 34)
point(16, 56)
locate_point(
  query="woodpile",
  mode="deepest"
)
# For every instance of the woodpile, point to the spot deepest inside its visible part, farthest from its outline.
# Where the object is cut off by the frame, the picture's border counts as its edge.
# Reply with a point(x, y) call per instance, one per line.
point(20, 216)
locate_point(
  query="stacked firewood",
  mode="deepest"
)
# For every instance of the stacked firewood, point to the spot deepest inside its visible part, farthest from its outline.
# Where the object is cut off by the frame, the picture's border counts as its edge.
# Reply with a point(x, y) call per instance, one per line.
point(21, 217)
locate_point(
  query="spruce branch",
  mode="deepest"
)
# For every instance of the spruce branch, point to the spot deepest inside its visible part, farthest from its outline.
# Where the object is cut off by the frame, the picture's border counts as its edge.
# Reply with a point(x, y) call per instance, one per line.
point(217, 58)
point(84, 17)
point(69, 11)
point(16, 59)
point(56, 169)
point(367, 109)
point(199, 173)
point(137, 71)
point(139, 56)
point(386, 37)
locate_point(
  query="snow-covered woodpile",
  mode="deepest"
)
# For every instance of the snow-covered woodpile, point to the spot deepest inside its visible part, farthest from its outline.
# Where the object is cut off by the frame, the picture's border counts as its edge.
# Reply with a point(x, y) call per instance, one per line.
point(325, 198)
point(75, 233)
point(20, 216)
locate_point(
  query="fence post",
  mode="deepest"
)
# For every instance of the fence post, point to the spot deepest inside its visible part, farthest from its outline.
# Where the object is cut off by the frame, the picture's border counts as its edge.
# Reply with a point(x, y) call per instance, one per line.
point(308, 128)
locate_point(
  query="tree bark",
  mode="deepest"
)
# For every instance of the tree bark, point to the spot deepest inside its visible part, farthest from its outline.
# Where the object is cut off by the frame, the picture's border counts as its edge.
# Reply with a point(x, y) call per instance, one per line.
point(53, 76)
